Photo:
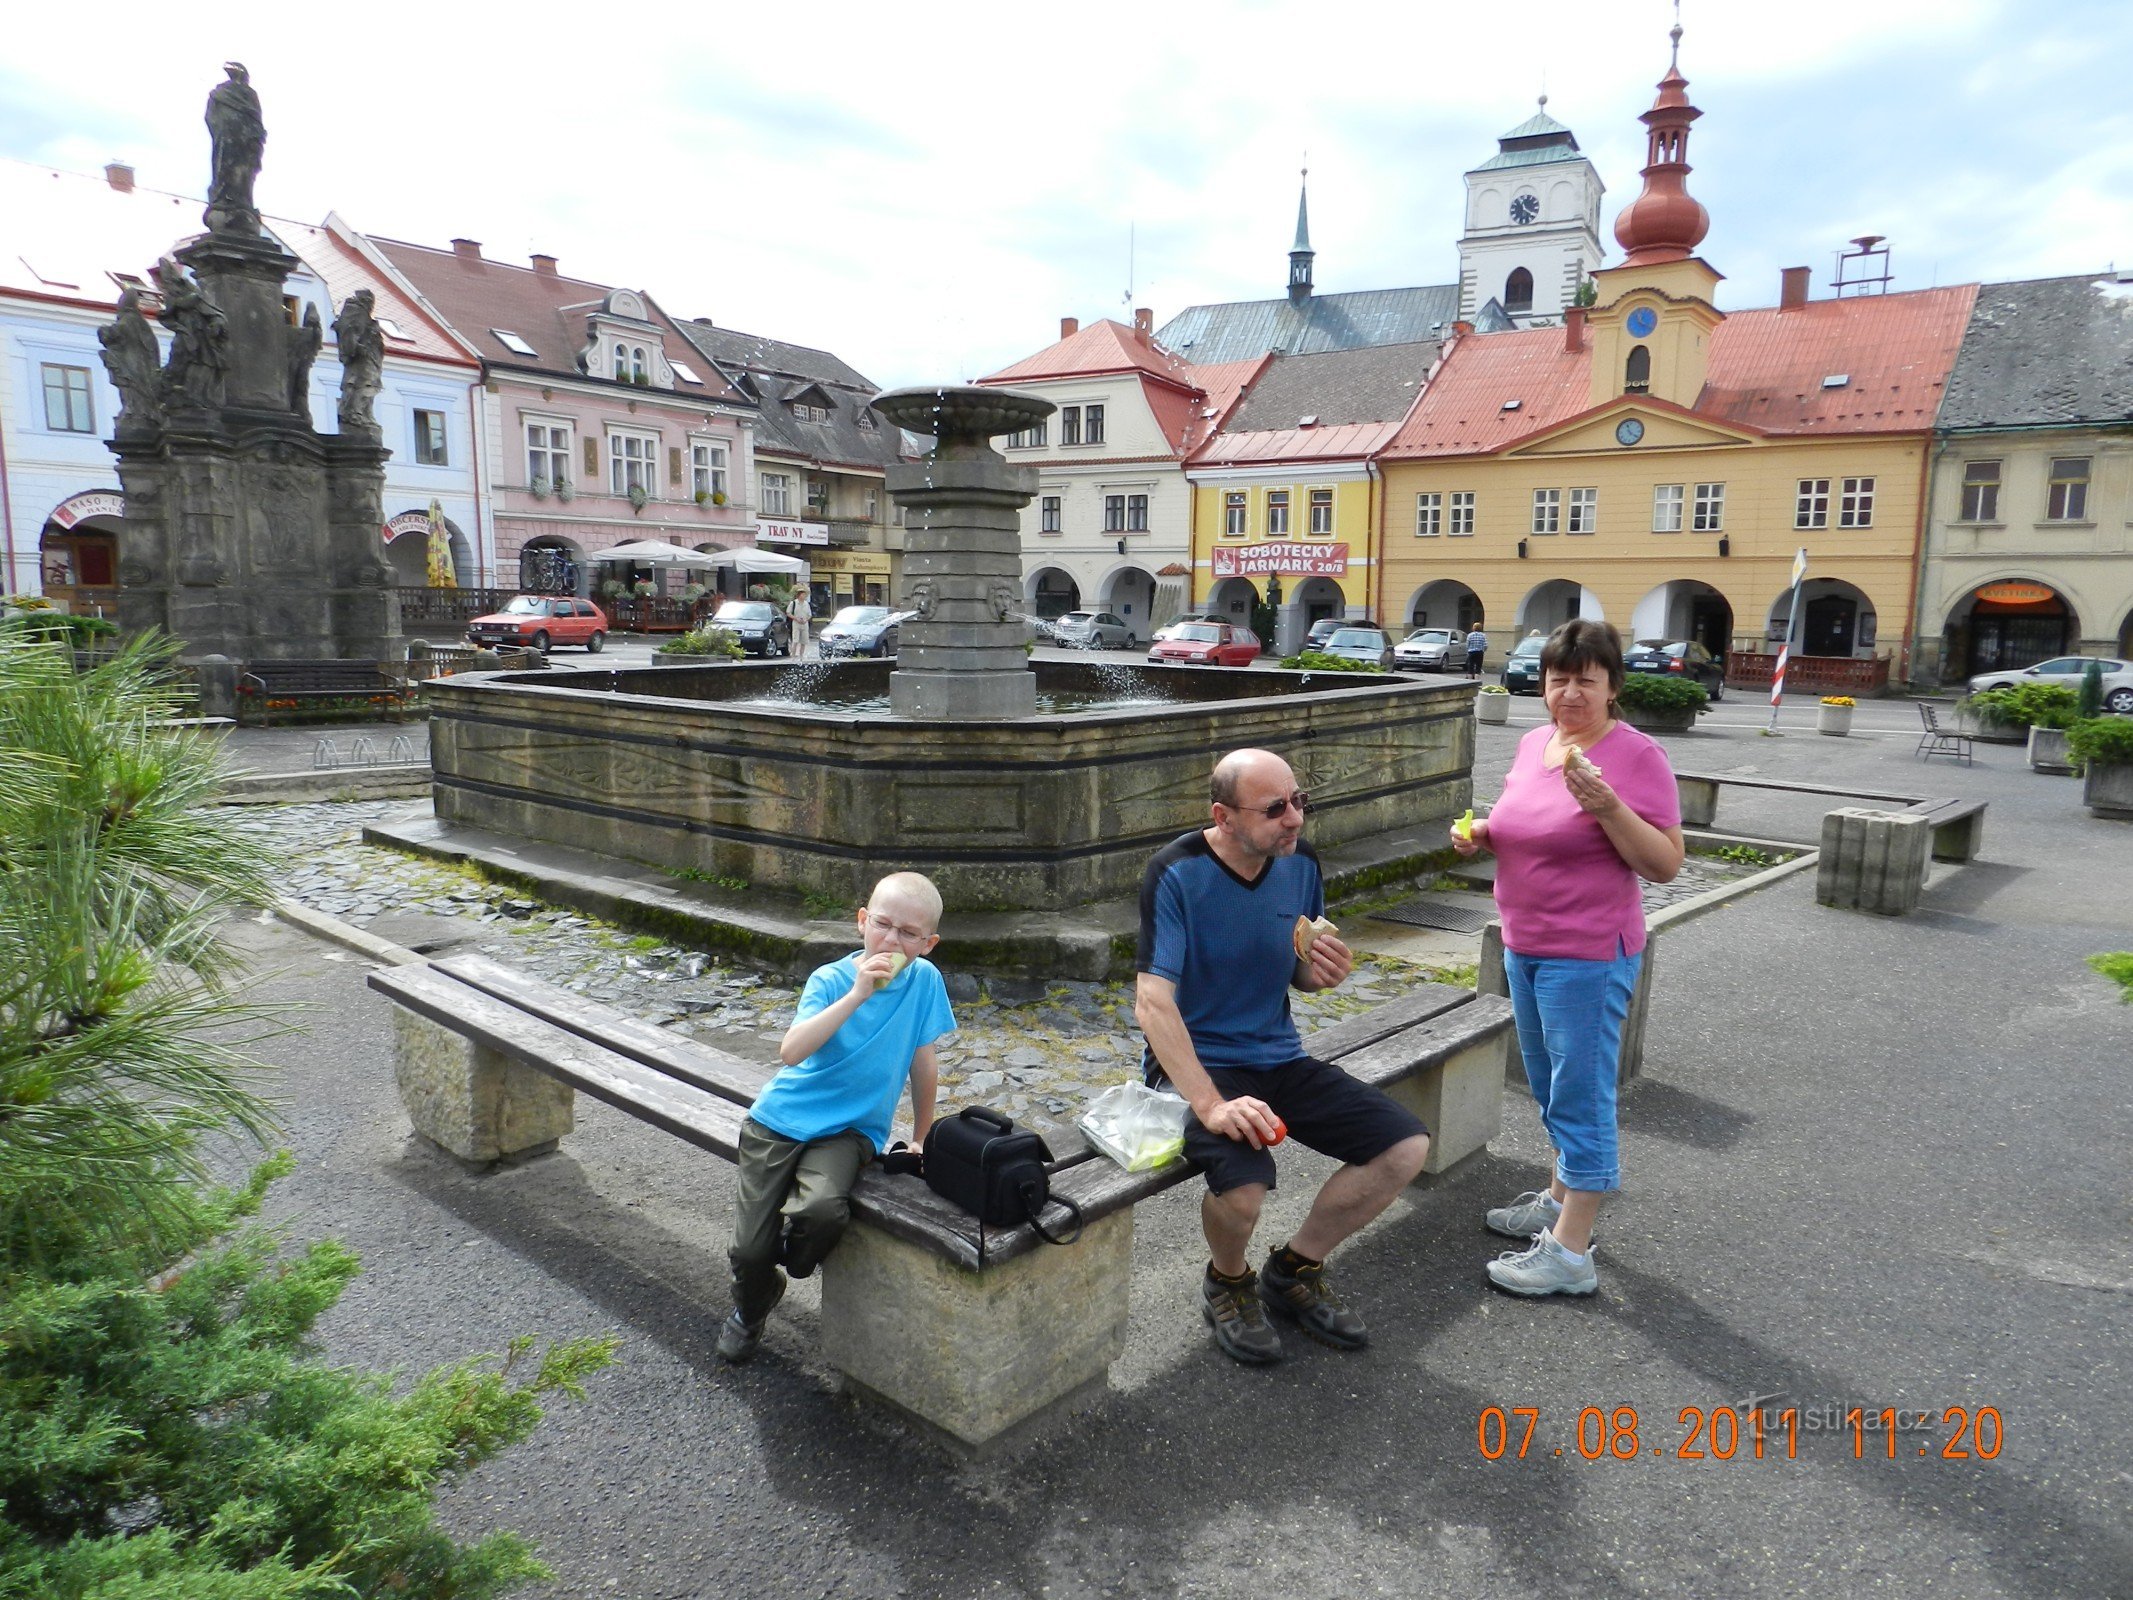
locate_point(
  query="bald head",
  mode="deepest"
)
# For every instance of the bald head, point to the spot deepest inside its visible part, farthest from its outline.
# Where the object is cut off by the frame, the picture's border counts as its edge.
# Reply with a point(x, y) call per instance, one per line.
point(1248, 769)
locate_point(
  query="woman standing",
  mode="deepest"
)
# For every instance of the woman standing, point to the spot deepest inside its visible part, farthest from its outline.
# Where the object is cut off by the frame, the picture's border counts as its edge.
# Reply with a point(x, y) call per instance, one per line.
point(1588, 808)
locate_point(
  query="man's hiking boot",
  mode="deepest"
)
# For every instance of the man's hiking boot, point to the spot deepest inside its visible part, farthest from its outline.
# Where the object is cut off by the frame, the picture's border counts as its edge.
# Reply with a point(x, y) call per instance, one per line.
point(1308, 1300)
point(1527, 1215)
point(739, 1339)
point(1233, 1311)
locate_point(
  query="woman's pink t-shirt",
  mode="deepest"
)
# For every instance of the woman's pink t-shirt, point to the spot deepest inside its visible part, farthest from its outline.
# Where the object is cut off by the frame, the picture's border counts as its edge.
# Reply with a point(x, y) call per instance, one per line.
point(1561, 887)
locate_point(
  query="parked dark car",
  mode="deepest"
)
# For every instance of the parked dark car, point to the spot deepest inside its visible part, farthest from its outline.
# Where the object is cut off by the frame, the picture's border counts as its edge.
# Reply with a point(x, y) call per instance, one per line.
point(1430, 650)
point(1684, 658)
point(1322, 630)
point(762, 628)
point(1218, 644)
point(1355, 643)
point(1522, 667)
point(861, 631)
point(542, 621)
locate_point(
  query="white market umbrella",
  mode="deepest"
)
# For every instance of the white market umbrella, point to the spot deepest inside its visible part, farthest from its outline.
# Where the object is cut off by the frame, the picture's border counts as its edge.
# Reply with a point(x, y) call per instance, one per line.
point(753, 561)
point(654, 553)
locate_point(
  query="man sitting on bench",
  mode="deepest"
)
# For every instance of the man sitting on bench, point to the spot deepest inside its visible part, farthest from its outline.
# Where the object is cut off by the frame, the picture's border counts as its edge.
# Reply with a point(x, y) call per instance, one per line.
point(1219, 947)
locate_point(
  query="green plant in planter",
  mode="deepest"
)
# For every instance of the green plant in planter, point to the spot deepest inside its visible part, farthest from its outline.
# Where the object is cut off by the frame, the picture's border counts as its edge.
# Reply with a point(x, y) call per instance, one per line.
point(1648, 692)
point(638, 496)
point(703, 496)
point(1319, 661)
point(611, 589)
point(2117, 965)
point(2101, 741)
point(703, 642)
point(2090, 695)
point(1494, 688)
point(2029, 705)
point(718, 497)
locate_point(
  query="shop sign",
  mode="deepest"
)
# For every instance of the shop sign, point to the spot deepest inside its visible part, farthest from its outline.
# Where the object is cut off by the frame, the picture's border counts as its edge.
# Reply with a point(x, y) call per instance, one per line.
point(2015, 594)
point(408, 522)
point(860, 561)
point(769, 532)
point(1288, 558)
point(78, 508)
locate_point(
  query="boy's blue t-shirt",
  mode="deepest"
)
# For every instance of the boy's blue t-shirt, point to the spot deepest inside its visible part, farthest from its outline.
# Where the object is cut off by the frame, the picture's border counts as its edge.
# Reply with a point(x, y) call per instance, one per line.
point(1229, 946)
point(853, 1081)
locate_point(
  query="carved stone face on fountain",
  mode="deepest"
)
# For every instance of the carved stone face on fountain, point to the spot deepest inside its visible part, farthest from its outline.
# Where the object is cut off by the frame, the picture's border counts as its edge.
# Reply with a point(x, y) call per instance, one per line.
point(963, 419)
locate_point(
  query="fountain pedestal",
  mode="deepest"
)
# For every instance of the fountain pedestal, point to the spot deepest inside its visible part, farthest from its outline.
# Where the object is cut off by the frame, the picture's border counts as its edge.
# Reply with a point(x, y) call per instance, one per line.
point(963, 654)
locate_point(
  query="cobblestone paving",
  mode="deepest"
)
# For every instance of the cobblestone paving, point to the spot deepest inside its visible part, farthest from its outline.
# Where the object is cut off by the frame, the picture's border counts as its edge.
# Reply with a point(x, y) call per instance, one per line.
point(1039, 1061)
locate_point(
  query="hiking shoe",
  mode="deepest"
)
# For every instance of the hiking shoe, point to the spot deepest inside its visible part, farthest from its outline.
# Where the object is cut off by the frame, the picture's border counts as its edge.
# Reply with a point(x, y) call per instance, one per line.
point(1543, 1268)
point(738, 1339)
point(1241, 1331)
point(1309, 1301)
point(1527, 1215)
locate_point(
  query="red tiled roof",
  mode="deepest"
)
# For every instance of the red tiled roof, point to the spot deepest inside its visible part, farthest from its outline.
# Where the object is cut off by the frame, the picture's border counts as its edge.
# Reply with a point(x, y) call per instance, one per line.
point(1188, 419)
point(1101, 347)
point(548, 311)
point(1267, 446)
point(1766, 372)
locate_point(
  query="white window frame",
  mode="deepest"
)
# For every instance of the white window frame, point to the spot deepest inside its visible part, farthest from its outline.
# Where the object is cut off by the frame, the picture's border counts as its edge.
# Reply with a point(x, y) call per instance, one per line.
point(1048, 513)
point(547, 459)
point(71, 395)
point(1667, 507)
point(1277, 513)
point(1429, 514)
point(1115, 513)
point(1547, 511)
point(1855, 509)
point(1709, 515)
point(632, 459)
point(1810, 503)
point(777, 494)
point(1136, 513)
point(2066, 496)
point(1030, 438)
point(1236, 514)
point(443, 456)
point(1584, 511)
point(1321, 501)
point(1459, 513)
point(1981, 494)
point(707, 467)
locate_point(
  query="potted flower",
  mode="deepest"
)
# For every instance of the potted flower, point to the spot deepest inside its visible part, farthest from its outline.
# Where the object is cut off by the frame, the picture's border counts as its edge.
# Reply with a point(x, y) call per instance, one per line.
point(611, 588)
point(703, 497)
point(1660, 705)
point(1834, 715)
point(565, 490)
point(701, 647)
point(1493, 703)
point(642, 588)
point(538, 488)
point(718, 497)
point(638, 496)
point(2104, 747)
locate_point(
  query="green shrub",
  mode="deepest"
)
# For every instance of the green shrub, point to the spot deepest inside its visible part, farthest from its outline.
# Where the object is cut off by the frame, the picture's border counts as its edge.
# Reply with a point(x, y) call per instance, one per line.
point(704, 642)
point(1648, 691)
point(1319, 661)
point(2090, 696)
point(2028, 705)
point(2117, 965)
point(2108, 739)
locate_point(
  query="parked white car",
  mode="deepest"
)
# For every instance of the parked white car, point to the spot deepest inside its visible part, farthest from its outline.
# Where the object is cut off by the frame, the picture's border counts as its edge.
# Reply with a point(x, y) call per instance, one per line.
point(2067, 671)
point(1092, 630)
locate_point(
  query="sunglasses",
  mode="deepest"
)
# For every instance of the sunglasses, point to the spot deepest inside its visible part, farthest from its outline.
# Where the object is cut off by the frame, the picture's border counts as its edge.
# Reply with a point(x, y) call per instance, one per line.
point(1300, 800)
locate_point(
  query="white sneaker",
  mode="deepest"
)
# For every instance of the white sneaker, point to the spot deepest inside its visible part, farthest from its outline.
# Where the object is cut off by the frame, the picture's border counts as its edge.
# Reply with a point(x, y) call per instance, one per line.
point(1527, 1215)
point(1543, 1268)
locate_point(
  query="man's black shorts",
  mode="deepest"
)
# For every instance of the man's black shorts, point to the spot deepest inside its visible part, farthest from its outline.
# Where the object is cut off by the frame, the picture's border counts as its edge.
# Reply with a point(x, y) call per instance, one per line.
point(1325, 1109)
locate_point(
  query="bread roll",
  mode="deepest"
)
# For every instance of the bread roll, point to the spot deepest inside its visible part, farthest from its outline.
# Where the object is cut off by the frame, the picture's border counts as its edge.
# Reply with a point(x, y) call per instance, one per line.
point(1307, 929)
point(897, 962)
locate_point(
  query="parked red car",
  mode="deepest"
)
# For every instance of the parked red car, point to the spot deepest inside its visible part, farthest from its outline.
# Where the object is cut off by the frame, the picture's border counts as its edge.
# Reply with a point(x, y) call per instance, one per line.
point(542, 621)
point(1220, 644)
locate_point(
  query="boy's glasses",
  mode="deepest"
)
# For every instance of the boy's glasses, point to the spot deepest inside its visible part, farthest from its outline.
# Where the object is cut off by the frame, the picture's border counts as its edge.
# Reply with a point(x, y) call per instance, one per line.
point(1300, 800)
point(889, 930)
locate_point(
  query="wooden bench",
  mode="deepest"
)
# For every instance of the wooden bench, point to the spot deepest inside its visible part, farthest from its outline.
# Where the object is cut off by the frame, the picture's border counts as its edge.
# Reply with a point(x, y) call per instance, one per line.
point(266, 683)
point(489, 1061)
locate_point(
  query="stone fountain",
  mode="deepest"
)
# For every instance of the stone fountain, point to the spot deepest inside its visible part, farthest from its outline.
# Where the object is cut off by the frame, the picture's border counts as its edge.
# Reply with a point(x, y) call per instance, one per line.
point(1031, 821)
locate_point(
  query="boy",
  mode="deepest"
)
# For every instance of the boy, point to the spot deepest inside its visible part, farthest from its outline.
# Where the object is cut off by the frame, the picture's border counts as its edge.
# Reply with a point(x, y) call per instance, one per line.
point(864, 1025)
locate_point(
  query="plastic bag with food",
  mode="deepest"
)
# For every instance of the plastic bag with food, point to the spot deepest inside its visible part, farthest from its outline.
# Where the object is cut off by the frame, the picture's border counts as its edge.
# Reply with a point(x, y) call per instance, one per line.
point(1138, 1127)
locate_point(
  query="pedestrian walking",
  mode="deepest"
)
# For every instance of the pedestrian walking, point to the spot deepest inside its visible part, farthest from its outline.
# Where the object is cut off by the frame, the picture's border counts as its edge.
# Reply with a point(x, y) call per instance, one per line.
point(1477, 646)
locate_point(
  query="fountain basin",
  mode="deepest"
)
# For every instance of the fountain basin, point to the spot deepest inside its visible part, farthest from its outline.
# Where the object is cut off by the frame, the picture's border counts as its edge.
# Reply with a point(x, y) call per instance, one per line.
point(661, 765)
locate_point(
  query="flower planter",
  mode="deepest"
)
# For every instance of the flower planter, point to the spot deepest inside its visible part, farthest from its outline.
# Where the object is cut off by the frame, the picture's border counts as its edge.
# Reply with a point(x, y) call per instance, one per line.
point(1671, 720)
point(2047, 752)
point(1988, 730)
point(1836, 721)
point(2108, 790)
point(1492, 707)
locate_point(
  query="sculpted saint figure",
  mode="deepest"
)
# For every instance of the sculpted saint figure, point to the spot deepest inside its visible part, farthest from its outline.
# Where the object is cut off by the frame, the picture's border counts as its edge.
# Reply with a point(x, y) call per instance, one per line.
point(362, 360)
point(304, 344)
point(239, 136)
point(134, 360)
point(199, 340)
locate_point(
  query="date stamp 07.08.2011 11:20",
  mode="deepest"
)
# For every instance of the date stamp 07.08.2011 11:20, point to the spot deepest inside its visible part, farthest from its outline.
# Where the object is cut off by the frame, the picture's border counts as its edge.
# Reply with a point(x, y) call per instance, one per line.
point(1749, 1431)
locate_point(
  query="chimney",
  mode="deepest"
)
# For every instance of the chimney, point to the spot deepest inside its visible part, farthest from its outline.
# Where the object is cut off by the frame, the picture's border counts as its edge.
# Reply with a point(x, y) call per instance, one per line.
point(1143, 323)
point(1574, 329)
point(1793, 294)
point(1069, 326)
point(119, 176)
point(467, 249)
point(1461, 329)
point(544, 266)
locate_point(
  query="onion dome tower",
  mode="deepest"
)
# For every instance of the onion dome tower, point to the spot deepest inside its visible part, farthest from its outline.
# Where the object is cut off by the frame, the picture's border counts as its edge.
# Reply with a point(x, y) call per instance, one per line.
point(1665, 222)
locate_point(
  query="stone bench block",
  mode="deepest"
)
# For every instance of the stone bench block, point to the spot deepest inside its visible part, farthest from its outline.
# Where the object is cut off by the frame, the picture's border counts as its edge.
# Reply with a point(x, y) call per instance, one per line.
point(1461, 1100)
point(473, 1102)
point(1873, 860)
point(976, 1355)
point(1699, 800)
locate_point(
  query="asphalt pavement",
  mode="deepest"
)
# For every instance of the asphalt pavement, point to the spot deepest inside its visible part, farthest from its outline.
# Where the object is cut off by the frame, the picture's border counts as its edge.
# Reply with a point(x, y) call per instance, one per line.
point(1872, 1164)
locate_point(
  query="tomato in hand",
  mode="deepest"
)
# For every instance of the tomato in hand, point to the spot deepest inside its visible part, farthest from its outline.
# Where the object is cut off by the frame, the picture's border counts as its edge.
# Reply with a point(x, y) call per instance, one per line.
point(1281, 1132)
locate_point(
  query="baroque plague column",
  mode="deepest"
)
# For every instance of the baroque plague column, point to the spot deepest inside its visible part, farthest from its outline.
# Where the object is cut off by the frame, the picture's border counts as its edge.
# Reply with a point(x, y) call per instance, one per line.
point(248, 533)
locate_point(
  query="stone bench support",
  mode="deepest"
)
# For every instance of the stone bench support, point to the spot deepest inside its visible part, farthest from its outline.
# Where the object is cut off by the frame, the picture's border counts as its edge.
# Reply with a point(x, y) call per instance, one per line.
point(1873, 861)
point(472, 1101)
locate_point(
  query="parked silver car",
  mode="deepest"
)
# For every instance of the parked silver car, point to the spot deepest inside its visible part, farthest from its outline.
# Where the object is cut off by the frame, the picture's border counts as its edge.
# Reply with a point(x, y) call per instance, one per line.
point(861, 631)
point(2067, 671)
point(1430, 650)
point(1373, 645)
point(1092, 630)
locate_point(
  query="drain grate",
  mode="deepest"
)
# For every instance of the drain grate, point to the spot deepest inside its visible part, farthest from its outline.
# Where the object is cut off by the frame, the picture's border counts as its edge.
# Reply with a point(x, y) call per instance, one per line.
point(1430, 911)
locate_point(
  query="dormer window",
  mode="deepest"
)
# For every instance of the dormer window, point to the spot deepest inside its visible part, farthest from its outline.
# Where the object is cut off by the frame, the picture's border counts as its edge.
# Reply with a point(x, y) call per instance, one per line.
point(1637, 374)
point(632, 364)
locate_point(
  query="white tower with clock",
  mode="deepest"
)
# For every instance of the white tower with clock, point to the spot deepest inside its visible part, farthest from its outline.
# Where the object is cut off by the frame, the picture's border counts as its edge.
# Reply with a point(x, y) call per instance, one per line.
point(1532, 224)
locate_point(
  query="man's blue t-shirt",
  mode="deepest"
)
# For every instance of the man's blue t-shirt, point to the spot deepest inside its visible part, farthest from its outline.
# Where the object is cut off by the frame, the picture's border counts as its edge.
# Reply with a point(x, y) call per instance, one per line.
point(852, 1082)
point(1229, 946)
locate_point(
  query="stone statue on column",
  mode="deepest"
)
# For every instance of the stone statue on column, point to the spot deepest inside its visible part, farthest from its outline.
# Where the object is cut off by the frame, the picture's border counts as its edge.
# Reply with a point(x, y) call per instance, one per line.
point(199, 340)
point(239, 136)
point(304, 345)
point(362, 350)
point(135, 361)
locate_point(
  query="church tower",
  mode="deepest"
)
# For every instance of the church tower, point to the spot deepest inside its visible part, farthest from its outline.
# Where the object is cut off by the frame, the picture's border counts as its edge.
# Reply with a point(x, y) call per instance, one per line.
point(1532, 224)
point(1301, 253)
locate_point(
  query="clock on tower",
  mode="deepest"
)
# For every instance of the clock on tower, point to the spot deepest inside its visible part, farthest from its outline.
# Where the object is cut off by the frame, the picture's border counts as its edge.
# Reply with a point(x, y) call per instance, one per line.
point(1525, 209)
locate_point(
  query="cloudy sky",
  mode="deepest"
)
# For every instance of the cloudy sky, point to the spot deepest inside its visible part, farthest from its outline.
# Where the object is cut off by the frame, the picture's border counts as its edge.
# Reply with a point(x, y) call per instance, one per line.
point(926, 190)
